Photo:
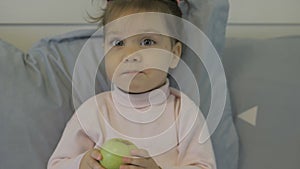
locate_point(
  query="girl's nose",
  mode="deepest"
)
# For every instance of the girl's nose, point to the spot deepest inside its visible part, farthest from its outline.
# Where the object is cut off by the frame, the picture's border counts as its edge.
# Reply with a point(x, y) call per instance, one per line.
point(133, 58)
point(132, 54)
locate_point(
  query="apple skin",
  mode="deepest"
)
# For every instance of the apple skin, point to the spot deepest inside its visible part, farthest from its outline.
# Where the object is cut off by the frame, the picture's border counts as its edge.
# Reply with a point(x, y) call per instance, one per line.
point(113, 151)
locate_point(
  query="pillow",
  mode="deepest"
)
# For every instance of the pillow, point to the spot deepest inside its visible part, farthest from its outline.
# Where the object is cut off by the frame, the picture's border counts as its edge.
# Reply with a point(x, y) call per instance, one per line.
point(35, 101)
point(211, 17)
point(264, 84)
point(30, 97)
point(42, 89)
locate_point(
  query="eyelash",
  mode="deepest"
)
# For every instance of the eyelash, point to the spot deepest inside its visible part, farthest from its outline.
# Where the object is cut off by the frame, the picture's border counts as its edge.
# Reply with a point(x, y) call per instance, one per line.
point(117, 42)
point(152, 42)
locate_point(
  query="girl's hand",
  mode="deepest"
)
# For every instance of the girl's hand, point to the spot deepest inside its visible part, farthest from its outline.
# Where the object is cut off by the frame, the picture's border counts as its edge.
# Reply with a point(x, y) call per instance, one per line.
point(91, 160)
point(144, 161)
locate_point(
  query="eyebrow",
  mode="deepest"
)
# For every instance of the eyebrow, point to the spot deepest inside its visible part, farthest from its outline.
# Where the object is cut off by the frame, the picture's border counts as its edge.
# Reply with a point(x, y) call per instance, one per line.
point(111, 33)
point(152, 31)
point(142, 31)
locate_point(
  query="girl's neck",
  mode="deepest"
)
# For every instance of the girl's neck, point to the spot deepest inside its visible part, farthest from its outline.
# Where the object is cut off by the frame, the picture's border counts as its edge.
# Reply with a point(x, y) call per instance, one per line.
point(159, 86)
point(154, 96)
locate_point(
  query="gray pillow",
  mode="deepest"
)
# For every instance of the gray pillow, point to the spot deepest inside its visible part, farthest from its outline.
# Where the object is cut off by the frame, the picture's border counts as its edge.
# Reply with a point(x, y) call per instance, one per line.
point(264, 78)
point(213, 24)
point(211, 17)
point(30, 97)
point(37, 102)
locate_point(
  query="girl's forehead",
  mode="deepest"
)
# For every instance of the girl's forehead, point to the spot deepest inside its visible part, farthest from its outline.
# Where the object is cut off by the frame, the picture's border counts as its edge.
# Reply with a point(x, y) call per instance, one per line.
point(124, 9)
point(129, 24)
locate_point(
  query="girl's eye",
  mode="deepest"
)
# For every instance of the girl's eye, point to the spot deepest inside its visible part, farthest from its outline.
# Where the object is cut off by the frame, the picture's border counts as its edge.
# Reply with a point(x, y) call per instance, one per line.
point(117, 43)
point(148, 42)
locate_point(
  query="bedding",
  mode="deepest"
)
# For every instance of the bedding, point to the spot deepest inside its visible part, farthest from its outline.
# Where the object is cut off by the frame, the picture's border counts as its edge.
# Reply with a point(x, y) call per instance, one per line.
point(264, 83)
point(36, 91)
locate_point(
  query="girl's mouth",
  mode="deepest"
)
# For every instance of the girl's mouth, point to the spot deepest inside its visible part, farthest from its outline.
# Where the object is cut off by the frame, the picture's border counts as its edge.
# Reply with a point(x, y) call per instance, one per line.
point(132, 72)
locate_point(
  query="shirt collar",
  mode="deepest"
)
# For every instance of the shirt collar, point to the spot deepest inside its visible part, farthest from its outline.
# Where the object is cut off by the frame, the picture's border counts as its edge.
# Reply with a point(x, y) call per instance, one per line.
point(153, 97)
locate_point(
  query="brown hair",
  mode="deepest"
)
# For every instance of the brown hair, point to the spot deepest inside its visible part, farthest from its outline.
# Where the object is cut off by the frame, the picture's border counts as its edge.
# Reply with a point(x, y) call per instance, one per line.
point(116, 7)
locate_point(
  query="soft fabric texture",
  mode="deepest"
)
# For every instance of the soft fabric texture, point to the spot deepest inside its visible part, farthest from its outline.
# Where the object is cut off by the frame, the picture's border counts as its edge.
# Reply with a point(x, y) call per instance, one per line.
point(211, 17)
point(213, 24)
point(36, 91)
point(170, 137)
point(34, 105)
point(263, 75)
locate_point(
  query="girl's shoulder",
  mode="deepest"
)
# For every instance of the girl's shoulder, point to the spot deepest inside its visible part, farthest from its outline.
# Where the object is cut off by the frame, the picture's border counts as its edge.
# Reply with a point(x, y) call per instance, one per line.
point(182, 101)
point(180, 96)
point(92, 105)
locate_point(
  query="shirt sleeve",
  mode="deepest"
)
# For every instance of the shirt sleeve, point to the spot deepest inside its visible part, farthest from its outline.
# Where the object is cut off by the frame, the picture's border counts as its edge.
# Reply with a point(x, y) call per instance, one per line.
point(72, 146)
point(191, 152)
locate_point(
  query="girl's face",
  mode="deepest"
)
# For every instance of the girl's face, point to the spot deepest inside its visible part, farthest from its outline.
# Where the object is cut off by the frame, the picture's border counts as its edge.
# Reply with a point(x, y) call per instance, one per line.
point(139, 63)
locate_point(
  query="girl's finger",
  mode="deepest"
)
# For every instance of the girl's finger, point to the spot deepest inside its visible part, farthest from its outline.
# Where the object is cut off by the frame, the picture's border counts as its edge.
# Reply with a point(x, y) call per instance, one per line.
point(141, 162)
point(93, 164)
point(140, 153)
point(130, 167)
point(95, 154)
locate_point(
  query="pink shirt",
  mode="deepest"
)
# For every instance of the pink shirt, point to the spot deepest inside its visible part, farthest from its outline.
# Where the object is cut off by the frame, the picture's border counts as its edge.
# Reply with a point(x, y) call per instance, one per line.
point(164, 121)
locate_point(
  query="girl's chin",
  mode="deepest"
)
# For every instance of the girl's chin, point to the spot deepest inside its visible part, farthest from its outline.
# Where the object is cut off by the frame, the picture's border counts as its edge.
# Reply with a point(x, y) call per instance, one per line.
point(135, 90)
point(138, 84)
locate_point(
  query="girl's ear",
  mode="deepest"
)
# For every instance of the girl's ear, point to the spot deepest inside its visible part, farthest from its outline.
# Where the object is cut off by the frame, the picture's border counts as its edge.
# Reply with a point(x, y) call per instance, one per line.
point(176, 50)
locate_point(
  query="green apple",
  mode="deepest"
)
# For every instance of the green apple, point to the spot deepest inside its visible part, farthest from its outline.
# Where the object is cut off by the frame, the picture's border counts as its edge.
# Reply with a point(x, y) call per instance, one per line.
point(113, 151)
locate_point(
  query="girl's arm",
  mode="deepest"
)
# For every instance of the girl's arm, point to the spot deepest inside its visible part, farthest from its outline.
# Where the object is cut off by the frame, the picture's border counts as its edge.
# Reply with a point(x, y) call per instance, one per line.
point(192, 153)
point(71, 148)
